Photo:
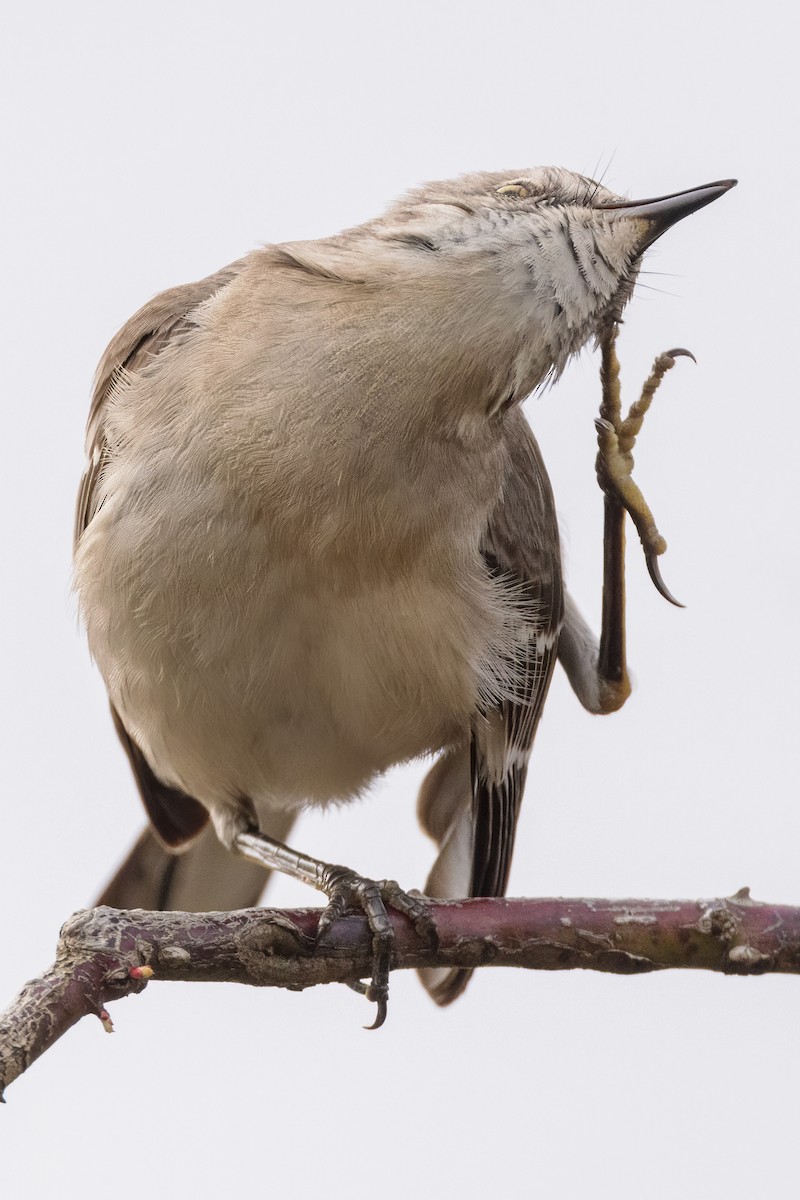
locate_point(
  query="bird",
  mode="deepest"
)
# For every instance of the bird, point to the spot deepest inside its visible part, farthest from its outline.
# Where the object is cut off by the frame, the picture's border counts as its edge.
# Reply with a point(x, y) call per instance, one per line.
point(315, 536)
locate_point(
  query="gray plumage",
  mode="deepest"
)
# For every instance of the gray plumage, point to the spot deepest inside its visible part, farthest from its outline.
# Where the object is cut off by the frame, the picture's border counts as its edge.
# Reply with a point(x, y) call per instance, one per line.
point(315, 536)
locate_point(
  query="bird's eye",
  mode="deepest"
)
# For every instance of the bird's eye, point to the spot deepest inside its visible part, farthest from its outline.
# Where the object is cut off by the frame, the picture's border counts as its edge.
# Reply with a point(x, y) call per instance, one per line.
point(520, 189)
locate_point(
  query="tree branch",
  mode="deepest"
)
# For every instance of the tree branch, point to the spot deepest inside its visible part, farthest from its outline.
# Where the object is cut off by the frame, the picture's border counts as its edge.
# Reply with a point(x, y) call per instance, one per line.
point(104, 954)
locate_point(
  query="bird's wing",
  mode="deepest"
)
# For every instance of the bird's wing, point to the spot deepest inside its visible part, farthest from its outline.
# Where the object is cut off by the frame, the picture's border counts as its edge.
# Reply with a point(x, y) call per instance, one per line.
point(140, 340)
point(521, 546)
point(470, 800)
point(176, 817)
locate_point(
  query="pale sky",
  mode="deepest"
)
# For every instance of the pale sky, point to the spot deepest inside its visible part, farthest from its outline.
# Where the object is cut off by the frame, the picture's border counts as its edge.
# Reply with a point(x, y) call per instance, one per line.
point(147, 145)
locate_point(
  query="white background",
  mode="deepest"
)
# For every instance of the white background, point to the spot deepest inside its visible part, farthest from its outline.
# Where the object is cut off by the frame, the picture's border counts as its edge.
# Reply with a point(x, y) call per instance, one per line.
point(147, 144)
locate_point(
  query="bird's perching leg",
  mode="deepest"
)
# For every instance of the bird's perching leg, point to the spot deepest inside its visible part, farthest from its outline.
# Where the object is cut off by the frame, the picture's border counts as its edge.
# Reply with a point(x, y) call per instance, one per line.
point(598, 673)
point(345, 889)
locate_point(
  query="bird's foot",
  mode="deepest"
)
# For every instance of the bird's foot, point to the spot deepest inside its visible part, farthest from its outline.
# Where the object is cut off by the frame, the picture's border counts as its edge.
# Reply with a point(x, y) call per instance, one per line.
point(616, 437)
point(345, 890)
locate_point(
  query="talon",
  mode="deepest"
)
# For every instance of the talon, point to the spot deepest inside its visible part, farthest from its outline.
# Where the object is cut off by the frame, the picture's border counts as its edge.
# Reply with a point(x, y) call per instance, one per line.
point(415, 906)
point(380, 1015)
point(679, 352)
point(345, 889)
point(331, 913)
point(366, 989)
point(655, 574)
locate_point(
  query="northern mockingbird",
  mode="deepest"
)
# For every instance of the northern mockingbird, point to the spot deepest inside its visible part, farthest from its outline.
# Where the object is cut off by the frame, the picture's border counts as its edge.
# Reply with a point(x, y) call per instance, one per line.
point(315, 536)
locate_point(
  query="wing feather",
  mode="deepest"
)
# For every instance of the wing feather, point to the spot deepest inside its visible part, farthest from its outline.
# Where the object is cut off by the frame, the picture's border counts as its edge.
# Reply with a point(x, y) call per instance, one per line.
point(176, 817)
point(521, 546)
point(478, 808)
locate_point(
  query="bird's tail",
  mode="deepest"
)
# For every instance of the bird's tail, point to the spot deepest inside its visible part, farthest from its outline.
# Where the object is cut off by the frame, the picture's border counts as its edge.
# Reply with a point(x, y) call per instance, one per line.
point(204, 878)
point(445, 813)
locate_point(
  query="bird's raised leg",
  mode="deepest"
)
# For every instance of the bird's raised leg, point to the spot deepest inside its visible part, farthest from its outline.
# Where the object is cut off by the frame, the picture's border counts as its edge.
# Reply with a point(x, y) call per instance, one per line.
point(598, 673)
point(346, 889)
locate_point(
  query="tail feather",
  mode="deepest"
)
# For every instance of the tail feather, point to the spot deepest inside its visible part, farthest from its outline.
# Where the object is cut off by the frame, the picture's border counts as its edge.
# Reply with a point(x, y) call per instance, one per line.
point(205, 878)
point(445, 813)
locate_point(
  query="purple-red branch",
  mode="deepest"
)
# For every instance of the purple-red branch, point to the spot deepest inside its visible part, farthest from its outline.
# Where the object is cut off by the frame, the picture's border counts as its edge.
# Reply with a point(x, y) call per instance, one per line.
point(101, 950)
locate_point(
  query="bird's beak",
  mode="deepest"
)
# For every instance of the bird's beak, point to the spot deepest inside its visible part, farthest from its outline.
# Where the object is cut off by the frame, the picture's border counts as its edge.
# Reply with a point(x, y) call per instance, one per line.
point(661, 214)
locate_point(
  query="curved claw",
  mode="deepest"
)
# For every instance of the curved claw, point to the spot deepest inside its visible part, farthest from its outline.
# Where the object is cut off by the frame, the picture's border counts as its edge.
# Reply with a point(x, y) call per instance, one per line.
point(679, 352)
point(380, 1015)
point(654, 572)
point(365, 989)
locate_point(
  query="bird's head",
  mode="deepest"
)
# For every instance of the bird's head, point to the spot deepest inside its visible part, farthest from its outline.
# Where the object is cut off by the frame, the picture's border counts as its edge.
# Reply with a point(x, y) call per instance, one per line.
point(553, 254)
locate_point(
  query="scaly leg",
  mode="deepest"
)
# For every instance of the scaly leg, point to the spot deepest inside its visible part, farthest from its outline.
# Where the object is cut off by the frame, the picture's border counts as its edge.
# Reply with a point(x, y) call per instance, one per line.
point(598, 673)
point(345, 889)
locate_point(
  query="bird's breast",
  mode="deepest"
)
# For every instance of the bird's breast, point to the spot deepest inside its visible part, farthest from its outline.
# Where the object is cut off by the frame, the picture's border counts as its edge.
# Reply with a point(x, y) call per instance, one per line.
point(287, 669)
